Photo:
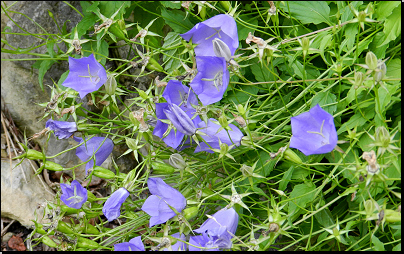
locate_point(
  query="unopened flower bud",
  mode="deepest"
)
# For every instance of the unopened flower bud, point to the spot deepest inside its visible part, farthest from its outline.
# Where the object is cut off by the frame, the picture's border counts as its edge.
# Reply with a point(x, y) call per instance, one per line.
point(359, 78)
point(392, 216)
point(223, 121)
point(380, 71)
point(221, 49)
point(177, 161)
point(291, 156)
point(190, 212)
point(361, 16)
point(110, 85)
point(371, 60)
point(241, 109)
point(247, 171)
point(382, 136)
point(370, 207)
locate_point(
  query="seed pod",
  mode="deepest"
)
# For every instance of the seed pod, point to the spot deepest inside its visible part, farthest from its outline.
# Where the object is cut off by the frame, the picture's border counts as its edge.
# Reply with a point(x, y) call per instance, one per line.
point(371, 60)
point(291, 156)
point(177, 161)
point(65, 228)
point(190, 212)
point(103, 173)
point(162, 168)
point(110, 85)
point(153, 65)
point(87, 243)
point(50, 165)
point(49, 242)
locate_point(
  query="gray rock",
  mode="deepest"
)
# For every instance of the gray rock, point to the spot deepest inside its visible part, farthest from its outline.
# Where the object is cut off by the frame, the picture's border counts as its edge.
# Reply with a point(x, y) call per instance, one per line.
point(23, 193)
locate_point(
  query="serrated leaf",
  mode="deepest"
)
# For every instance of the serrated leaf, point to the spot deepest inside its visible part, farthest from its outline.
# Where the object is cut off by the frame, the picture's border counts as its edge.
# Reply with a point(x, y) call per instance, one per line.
point(261, 73)
point(301, 196)
point(171, 40)
point(323, 98)
point(394, 68)
point(176, 20)
point(309, 11)
point(385, 8)
point(392, 28)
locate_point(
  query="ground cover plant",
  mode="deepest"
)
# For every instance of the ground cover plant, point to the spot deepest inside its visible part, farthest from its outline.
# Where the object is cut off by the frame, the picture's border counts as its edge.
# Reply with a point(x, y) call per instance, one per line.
point(267, 125)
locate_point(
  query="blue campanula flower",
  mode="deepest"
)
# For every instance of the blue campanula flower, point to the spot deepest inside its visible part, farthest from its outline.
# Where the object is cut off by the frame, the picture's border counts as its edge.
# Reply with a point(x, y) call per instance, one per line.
point(156, 205)
point(178, 246)
point(221, 26)
point(212, 79)
point(217, 231)
point(112, 207)
point(86, 150)
point(61, 129)
point(135, 244)
point(178, 109)
point(212, 138)
point(73, 195)
point(313, 132)
point(86, 75)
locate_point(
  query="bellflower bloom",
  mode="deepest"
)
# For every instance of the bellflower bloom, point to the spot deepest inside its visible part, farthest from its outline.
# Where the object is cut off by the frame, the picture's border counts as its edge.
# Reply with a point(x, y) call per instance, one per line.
point(73, 195)
point(112, 207)
point(313, 132)
point(61, 129)
point(212, 137)
point(86, 75)
point(135, 244)
point(215, 232)
point(212, 79)
point(156, 205)
point(178, 246)
point(85, 151)
point(221, 26)
point(178, 109)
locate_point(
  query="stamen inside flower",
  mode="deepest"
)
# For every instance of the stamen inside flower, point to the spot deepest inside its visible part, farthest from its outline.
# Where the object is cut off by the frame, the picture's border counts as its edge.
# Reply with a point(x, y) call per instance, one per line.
point(97, 78)
point(75, 199)
point(217, 32)
point(217, 80)
point(321, 134)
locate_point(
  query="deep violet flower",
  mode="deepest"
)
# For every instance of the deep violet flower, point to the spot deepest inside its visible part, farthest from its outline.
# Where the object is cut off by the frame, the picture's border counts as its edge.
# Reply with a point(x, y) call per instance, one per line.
point(86, 75)
point(86, 150)
point(73, 195)
point(221, 26)
point(217, 232)
point(156, 205)
point(61, 129)
point(135, 244)
point(178, 245)
point(212, 79)
point(178, 109)
point(313, 132)
point(212, 137)
point(112, 207)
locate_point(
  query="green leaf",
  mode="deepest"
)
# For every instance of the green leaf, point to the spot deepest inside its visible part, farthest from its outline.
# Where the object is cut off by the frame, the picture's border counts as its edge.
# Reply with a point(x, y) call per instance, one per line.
point(172, 39)
point(397, 247)
point(62, 79)
point(301, 196)
point(244, 30)
point(385, 8)
point(239, 97)
point(353, 93)
point(49, 47)
point(392, 28)
point(374, 46)
point(91, 48)
point(394, 68)
point(299, 69)
point(261, 73)
point(309, 11)
point(171, 4)
point(44, 67)
point(356, 120)
point(108, 8)
point(323, 98)
point(286, 178)
point(377, 244)
point(85, 24)
point(176, 20)
point(384, 99)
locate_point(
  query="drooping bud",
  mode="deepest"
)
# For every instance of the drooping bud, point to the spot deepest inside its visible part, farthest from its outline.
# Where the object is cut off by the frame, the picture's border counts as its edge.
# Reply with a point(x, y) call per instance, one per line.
point(371, 60)
point(223, 121)
point(177, 161)
point(305, 43)
point(221, 49)
point(380, 71)
point(110, 85)
point(291, 156)
point(361, 16)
